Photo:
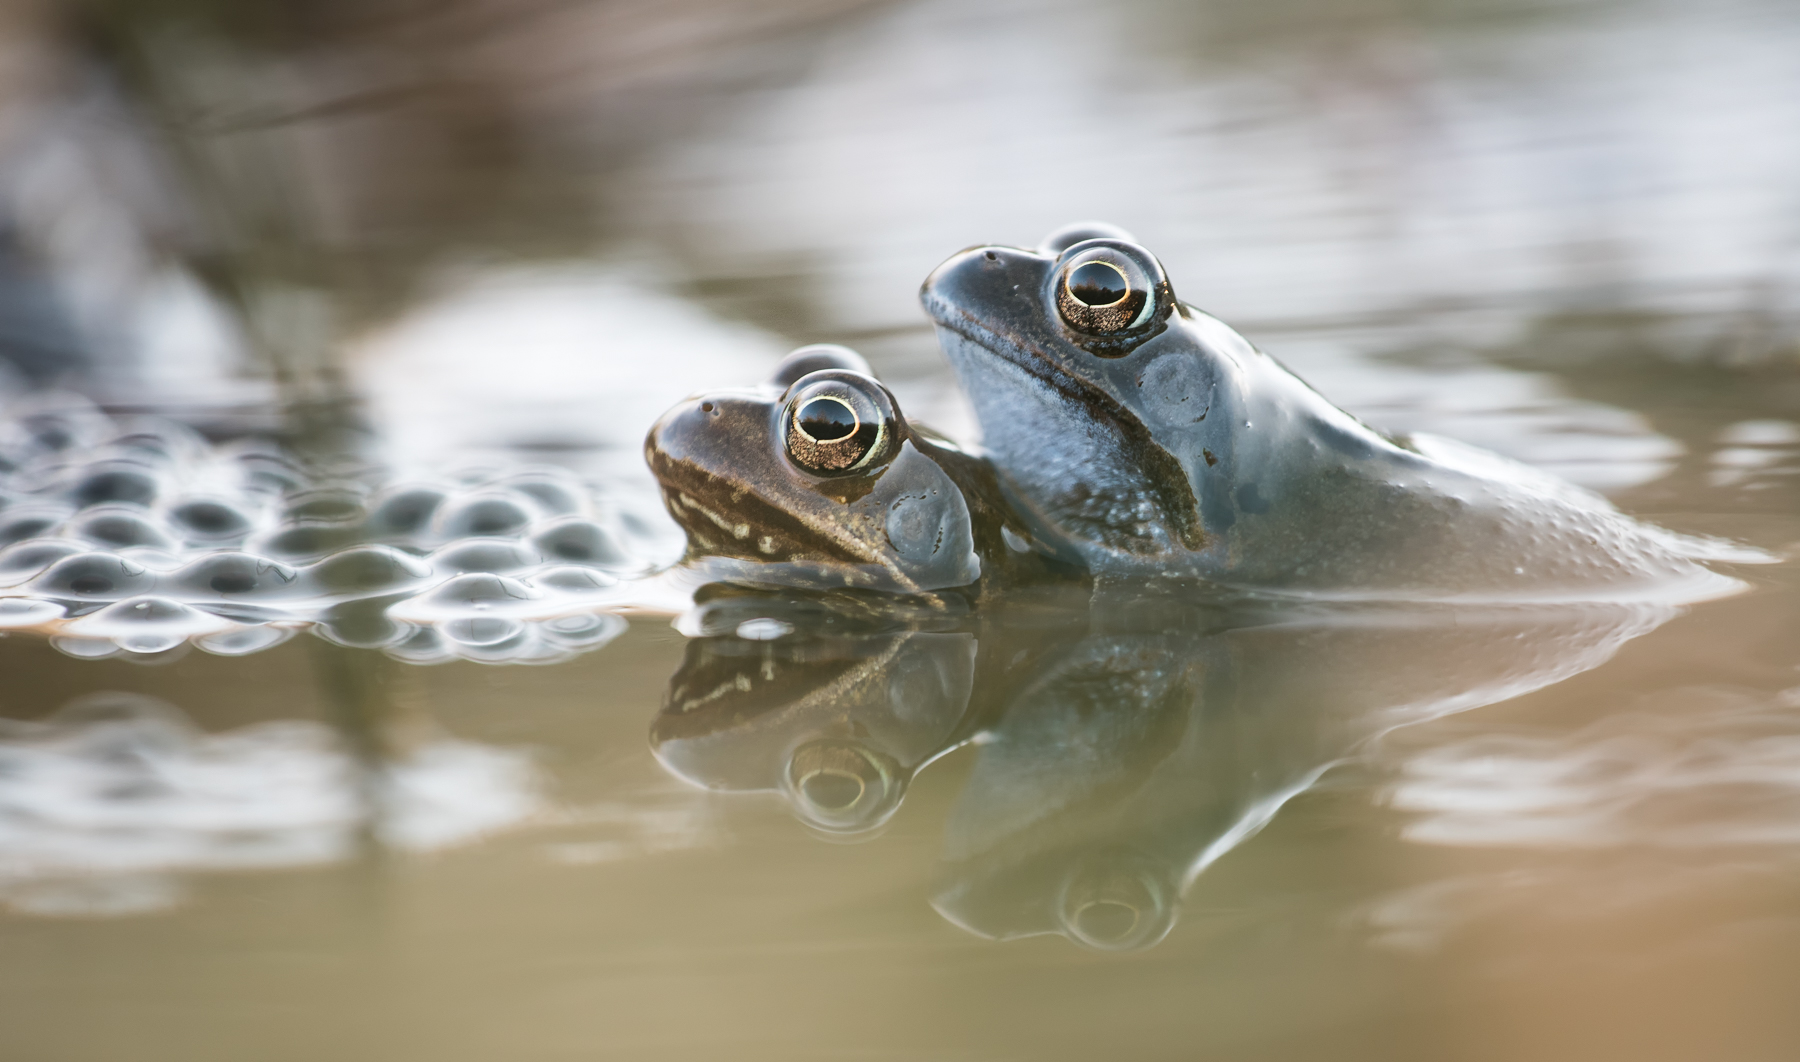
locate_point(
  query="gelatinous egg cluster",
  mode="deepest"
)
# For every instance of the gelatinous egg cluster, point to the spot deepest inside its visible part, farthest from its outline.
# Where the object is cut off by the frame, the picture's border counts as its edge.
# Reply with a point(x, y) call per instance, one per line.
point(137, 535)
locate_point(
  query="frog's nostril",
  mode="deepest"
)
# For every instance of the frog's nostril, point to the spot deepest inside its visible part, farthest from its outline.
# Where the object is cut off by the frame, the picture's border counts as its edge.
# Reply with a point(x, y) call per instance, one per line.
point(706, 407)
point(993, 257)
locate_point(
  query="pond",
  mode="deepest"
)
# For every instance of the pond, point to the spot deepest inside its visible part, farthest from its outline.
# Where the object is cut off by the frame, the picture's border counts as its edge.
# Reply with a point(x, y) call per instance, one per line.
point(350, 709)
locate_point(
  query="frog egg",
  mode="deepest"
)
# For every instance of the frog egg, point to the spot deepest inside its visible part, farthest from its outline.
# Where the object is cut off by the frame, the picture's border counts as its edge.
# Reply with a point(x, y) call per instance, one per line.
point(548, 492)
point(16, 612)
point(572, 580)
point(483, 555)
point(474, 592)
point(118, 526)
point(17, 525)
point(209, 520)
point(403, 511)
point(309, 541)
point(233, 576)
point(146, 624)
point(486, 514)
point(159, 561)
point(117, 482)
point(366, 570)
point(23, 560)
point(93, 577)
point(579, 541)
point(245, 640)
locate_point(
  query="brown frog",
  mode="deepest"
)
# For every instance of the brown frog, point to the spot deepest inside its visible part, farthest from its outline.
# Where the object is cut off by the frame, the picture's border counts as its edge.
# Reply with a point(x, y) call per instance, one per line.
point(816, 481)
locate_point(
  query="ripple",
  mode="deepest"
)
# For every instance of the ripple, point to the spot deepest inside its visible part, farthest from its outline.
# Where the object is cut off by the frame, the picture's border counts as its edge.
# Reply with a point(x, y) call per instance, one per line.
point(1722, 771)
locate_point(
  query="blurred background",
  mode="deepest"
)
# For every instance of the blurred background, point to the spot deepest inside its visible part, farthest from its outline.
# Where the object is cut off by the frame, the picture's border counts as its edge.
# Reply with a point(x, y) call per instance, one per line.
point(535, 223)
point(1568, 230)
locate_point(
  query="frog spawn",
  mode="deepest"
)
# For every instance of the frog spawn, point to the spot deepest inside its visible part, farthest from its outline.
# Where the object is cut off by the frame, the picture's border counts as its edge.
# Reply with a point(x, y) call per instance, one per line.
point(138, 536)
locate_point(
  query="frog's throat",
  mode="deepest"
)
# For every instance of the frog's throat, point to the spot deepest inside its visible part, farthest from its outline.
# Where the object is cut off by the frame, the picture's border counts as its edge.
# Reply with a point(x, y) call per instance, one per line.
point(1163, 475)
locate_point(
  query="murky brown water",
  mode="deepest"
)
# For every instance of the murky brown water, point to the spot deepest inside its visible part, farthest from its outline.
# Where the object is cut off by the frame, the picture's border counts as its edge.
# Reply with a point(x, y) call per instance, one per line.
point(501, 234)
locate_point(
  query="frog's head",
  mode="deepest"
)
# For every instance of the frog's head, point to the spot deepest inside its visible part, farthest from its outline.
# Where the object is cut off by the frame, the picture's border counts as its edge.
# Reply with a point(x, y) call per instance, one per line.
point(814, 480)
point(836, 721)
point(1091, 383)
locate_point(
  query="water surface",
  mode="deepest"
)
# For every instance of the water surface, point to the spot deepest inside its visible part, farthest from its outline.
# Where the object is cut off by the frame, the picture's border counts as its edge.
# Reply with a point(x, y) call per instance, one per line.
point(477, 250)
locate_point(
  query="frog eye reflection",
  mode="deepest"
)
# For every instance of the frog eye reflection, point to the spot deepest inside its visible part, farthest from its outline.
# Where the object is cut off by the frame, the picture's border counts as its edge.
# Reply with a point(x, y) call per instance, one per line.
point(837, 422)
point(842, 787)
point(826, 419)
point(1102, 291)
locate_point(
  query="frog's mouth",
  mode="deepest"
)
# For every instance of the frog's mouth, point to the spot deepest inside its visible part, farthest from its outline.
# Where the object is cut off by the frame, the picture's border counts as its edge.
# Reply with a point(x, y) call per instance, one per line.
point(750, 527)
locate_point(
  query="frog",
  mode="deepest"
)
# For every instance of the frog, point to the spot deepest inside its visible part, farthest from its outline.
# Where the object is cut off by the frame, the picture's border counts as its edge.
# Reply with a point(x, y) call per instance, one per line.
point(816, 481)
point(1154, 441)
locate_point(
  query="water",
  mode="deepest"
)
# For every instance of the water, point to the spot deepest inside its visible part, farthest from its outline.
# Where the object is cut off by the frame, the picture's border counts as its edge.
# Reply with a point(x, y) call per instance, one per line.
point(414, 285)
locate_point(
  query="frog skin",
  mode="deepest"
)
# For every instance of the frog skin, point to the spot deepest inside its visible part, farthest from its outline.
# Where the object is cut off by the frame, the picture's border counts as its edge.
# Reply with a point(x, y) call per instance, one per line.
point(861, 501)
point(1156, 441)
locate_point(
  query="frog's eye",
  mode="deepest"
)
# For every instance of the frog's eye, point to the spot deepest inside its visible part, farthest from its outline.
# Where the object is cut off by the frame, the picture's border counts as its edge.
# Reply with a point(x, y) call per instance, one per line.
point(1102, 291)
point(837, 422)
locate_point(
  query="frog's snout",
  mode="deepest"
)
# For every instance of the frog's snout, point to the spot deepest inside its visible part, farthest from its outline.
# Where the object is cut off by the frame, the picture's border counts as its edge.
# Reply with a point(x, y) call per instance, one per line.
point(674, 431)
point(712, 432)
point(982, 283)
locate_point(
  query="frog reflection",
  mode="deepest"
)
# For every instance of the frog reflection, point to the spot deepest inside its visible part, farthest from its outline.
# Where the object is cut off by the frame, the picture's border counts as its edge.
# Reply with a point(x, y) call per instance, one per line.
point(1149, 750)
point(1120, 750)
point(835, 718)
point(817, 481)
point(1157, 441)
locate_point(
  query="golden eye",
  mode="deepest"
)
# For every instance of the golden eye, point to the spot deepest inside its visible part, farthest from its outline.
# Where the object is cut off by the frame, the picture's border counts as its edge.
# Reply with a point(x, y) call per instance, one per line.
point(1102, 291)
point(838, 422)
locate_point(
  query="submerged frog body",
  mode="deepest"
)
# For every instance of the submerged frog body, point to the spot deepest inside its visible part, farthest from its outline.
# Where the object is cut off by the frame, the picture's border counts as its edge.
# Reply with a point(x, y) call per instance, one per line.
point(816, 481)
point(1155, 440)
